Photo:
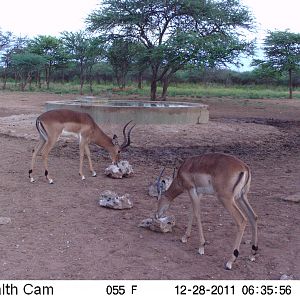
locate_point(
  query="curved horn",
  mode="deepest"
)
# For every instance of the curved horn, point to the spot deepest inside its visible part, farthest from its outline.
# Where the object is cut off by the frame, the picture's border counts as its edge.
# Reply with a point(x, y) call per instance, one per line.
point(126, 142)
point(158, 186)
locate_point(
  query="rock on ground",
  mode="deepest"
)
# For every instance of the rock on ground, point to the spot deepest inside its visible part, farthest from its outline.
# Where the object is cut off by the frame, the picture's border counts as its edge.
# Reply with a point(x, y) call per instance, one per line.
point(4, 220)
point(164, 224)
point(119, 170)
point(113, 200)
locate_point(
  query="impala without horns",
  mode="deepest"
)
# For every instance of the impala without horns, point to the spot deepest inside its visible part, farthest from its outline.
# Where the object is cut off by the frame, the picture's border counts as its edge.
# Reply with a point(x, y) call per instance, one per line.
point(54, 123)
point(223, 175)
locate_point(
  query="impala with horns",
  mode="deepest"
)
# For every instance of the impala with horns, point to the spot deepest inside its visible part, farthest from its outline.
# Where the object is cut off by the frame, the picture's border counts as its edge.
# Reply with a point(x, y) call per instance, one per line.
point(52, 124)
point(223, 175)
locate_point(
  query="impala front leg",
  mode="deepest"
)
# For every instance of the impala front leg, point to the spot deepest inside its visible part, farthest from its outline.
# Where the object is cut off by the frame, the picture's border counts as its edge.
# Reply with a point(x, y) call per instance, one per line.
point(188, 231)
point(81, 156)
point(88, 154)
point(195, 198)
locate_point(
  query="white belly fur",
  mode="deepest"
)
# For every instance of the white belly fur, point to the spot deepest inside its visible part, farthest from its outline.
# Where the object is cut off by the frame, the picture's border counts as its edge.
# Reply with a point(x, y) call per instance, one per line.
point(205, 190)
point(70, 133)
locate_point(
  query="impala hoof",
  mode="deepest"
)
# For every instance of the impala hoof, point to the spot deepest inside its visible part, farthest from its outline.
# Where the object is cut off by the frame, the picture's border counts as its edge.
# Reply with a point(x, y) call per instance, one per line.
point(94, 174)
point(184, 239)
point(51, 181)
point(201, 251)
point(32, 180)
point(228, 266)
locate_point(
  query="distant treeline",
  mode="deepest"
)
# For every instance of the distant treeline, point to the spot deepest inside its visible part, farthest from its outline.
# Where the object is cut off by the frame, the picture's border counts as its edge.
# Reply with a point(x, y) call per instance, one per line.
point(79, 58)
point(103, 73)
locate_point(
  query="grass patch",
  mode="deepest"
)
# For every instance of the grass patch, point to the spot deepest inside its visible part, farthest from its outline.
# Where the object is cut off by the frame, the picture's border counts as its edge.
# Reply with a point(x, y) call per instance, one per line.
point(175, 90)
point(248, 92)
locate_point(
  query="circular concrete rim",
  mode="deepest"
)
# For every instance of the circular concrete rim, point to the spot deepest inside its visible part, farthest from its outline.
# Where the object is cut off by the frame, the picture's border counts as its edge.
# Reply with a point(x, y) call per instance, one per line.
point(141, 112)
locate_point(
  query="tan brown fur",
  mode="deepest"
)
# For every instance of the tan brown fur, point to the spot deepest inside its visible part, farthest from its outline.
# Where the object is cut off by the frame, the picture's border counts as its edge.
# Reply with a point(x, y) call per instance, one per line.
point(220, 174)
point(52, 124)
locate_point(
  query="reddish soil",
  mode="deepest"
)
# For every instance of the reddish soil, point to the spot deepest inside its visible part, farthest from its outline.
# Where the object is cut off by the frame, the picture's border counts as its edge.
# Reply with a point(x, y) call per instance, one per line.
point(59, 231)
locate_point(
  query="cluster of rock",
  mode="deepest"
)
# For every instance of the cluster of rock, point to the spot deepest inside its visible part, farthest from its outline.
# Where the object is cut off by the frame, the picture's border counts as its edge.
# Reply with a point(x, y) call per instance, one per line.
point(112, 200)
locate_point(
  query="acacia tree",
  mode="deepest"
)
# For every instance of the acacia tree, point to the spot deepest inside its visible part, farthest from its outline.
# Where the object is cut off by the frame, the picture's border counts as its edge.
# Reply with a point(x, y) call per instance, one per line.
point(48, 47)
point(16, 45)
point(176, 32)
point(95, 51)
point(5, 39)
point(121, 56)
point(76, 45)
point(25, 65)
point(282, 52)
point(83, 49)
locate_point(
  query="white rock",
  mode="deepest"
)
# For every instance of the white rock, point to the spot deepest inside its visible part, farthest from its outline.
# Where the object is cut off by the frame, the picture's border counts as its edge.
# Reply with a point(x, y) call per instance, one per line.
point(5, 220)
point(120, 170)
point(286, 277)
point(113, 200)
point(164, 224)
point(113, 171)
point(125, 167)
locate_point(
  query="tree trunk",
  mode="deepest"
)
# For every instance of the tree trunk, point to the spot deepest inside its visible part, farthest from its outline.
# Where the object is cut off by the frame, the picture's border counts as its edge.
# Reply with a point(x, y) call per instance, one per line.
point(81, 78)
point(38, 80)
point(4, 79)
point(140, 80)
point(166, 82)
point(153, 90)
point(48, 77)
point(63, 75)
point(290, 84)
point(91, 79)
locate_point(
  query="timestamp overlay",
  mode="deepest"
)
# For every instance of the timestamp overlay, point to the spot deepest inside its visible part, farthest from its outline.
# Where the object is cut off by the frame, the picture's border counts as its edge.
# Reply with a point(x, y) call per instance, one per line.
point(136, 289)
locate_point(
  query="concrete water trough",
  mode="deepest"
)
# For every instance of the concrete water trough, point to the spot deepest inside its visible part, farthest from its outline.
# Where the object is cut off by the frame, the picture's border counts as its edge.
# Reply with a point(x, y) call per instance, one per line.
point(141, 112)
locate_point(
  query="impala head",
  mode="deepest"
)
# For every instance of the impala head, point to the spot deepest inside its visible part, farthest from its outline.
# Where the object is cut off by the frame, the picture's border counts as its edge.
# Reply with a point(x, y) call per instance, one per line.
point(163, 201)
point(117, 149)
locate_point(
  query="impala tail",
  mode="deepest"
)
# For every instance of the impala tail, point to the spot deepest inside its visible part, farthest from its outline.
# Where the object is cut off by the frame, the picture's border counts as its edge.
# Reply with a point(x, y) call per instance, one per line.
point(242, 185)
point(41, 129)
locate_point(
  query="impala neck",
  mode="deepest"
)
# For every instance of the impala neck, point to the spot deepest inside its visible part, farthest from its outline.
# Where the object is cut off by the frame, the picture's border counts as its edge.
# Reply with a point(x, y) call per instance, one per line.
point(174, 190)
point(102, 140)
point(167, 197)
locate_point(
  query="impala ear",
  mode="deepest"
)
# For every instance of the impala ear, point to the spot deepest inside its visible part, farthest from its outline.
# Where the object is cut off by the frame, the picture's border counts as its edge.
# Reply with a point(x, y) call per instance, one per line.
point(115, 140)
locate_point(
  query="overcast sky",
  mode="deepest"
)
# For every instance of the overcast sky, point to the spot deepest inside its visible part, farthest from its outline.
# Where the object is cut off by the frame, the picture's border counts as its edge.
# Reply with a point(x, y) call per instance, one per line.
point(38, 17)
point(34, 17)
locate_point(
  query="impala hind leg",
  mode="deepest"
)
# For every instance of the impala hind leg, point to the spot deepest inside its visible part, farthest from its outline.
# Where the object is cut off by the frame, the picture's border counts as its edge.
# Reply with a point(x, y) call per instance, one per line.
point(35, 152)
point(195, 198)
point(240, 221)
point(45, 153)
point(252, 217)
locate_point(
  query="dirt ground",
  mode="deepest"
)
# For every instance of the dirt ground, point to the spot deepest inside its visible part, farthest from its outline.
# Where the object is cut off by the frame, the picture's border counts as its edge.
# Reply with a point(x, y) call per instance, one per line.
point(59, 231)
